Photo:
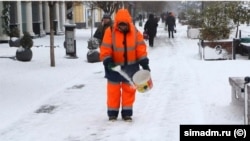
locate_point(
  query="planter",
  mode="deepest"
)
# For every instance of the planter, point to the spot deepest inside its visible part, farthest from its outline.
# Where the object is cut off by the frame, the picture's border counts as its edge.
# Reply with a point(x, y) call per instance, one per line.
point(215, 50)
point(14, 42)
point(23, 54)
point(93, 43)
point(93, 56)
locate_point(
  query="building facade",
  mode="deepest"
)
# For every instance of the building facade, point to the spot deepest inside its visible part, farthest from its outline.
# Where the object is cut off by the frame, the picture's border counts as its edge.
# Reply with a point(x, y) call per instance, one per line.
point(33, 17)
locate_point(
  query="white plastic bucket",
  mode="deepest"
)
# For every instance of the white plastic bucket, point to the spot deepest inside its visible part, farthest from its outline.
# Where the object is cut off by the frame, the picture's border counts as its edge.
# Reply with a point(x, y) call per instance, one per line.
point(142, 81)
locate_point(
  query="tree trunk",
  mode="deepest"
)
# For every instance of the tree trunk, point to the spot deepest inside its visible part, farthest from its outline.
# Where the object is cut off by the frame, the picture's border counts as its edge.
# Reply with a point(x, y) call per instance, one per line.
point(51, 15)
point(237, 28)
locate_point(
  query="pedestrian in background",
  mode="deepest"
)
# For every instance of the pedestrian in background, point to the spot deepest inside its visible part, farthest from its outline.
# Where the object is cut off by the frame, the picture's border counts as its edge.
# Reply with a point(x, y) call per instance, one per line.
point(106, 22)
point(122, 45)
point(151, 27)
point(170, 23)
point(157, 19)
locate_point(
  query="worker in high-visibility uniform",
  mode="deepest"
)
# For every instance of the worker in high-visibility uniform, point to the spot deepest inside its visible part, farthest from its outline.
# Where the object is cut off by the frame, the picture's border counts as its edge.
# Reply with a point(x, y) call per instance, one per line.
point(122, 45)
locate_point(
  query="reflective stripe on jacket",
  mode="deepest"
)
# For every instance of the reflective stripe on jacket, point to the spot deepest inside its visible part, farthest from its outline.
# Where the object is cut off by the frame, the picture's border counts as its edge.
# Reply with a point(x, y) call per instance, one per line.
point(124, 49)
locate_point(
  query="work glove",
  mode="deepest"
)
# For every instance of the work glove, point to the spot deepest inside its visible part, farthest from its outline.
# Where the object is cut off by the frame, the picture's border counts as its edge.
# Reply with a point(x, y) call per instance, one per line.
point(146, 67)
point(111, 65)
point(108, 63)
point(144, 64)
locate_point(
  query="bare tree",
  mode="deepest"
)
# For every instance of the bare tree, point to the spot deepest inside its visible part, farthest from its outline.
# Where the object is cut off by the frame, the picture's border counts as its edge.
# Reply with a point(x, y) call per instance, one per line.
point(107, 6)
point(156, 7)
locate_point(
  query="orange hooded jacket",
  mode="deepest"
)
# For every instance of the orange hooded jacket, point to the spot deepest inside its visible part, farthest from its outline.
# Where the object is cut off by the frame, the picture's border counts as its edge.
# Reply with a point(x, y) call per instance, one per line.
point(127, 50)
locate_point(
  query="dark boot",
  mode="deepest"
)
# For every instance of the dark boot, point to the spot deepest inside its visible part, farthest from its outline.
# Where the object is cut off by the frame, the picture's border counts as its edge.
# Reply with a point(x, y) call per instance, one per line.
point(126, 114)
point(113, 114)
point(112, 118)
point(127, 118)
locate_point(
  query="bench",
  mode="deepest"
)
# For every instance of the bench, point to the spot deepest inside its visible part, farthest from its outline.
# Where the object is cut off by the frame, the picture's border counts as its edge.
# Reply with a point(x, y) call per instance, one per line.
point(247, 47)
point(241, 46)
point(240, 94)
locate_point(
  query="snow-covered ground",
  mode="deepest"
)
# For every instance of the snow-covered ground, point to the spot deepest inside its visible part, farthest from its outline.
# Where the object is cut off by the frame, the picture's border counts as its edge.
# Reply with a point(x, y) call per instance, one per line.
point(186, 90)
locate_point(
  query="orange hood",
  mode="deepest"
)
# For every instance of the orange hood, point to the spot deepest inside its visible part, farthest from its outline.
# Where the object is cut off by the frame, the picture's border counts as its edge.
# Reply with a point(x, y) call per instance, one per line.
point(122, 15)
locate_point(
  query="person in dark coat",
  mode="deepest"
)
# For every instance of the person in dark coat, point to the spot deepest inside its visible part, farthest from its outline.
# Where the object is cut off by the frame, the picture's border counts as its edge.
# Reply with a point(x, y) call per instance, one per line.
point(140, 17)
point(157, 19)
point(170, 23)
point(106, 22)
point(151, 27)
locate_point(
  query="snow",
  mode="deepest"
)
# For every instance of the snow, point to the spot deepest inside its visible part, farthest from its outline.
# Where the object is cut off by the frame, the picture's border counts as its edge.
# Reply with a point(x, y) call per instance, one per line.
point(186, 90)
point(193, 33)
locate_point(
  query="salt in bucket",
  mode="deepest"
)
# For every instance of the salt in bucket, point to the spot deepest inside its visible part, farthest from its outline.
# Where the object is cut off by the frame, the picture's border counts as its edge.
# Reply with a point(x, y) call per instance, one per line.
point(142, 80)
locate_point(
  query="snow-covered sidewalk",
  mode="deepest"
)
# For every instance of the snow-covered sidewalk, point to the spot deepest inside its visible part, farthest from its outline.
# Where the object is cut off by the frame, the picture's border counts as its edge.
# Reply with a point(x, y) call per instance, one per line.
point(186, 90)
